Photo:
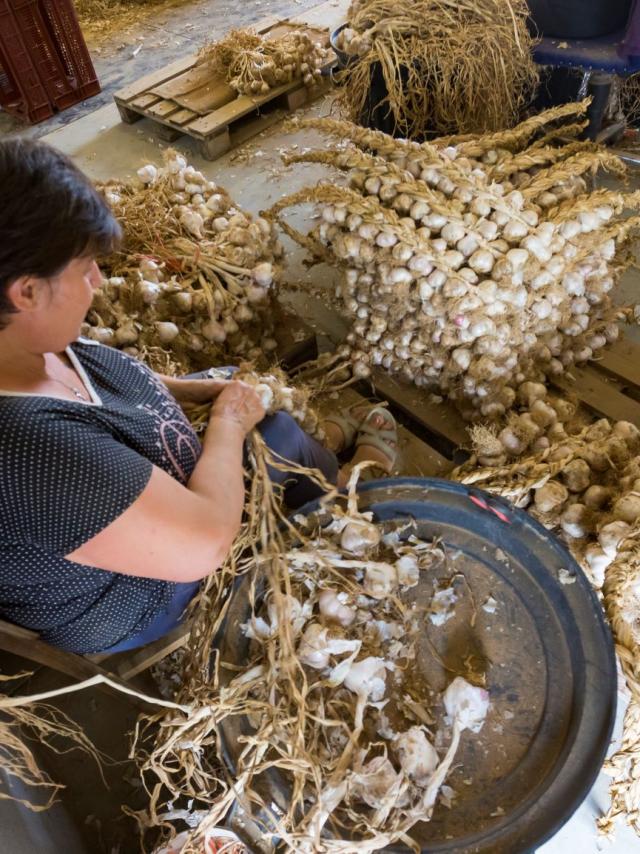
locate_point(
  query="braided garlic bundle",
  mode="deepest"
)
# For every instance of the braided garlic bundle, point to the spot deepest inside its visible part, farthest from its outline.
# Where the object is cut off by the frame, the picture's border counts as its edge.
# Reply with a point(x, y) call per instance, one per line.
point(585, 487)
point(455, 279)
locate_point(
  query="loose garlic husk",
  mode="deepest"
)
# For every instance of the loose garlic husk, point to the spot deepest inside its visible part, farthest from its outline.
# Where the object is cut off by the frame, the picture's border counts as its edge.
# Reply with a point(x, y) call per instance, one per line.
point(418, 757)
point(466, 704)
point(367, 678)
point(333, 608)
point(358, 536)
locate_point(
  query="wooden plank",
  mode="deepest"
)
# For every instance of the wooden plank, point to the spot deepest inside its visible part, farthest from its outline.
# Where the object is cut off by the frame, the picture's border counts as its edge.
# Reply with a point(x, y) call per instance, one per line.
point(192, 79)
point(75, 666)
point(163, 109)
point(18, 632)
point(236, 109)
point(182, 117)
point(144, 84)
point(623, 360)
point(326, 15)
point(127, 115)
point(600, 394)
point(245, 129)
point(418, 459)
point(211, 97)
point(144, 101)
point(441, 419)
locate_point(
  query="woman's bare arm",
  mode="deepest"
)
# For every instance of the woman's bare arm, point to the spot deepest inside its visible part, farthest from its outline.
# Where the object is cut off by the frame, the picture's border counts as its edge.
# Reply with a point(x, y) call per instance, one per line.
point(182, 533)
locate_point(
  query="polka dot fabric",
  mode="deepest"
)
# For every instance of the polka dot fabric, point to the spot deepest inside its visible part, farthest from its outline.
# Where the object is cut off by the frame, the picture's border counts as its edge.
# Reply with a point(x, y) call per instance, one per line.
point(67, 470)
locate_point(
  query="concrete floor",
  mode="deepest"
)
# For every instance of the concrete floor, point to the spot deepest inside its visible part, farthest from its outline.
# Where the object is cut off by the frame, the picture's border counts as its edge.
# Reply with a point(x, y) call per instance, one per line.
point(106, 148)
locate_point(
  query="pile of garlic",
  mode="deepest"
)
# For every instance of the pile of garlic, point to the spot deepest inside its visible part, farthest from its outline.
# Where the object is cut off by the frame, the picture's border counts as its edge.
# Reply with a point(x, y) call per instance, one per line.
point(254, 64)
point(349, 615)
point(352, 42)
point(469, 268)
point(584, 487)
point(196, 276)
point(537, 420)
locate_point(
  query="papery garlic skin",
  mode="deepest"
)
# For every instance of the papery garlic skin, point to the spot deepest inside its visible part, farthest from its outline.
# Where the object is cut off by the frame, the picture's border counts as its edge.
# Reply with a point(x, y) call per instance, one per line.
point(367, 678)
point(418, 757)
point(466, 704)
point(331, 605)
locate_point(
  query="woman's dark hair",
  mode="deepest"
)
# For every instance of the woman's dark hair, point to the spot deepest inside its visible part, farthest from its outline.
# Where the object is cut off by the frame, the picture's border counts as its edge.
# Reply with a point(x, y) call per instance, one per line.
point(50, 213)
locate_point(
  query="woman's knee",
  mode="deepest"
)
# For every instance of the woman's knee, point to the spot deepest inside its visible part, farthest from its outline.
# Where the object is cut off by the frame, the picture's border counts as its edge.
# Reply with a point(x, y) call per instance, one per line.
point(283, 435)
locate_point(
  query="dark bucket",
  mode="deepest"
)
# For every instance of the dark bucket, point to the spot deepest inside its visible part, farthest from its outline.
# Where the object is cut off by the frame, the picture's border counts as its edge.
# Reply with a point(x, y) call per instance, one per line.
point(551, 663)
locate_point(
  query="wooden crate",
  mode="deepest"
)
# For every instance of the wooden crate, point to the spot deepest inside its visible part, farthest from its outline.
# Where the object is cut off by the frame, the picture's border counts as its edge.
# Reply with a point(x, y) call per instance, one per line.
point(183, 98)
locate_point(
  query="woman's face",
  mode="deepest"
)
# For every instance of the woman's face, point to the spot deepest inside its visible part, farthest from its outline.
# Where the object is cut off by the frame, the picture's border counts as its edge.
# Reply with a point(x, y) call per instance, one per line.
point(63, 304)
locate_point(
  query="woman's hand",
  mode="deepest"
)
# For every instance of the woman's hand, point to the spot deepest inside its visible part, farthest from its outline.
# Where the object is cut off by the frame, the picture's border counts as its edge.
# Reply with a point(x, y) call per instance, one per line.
point(238, 403)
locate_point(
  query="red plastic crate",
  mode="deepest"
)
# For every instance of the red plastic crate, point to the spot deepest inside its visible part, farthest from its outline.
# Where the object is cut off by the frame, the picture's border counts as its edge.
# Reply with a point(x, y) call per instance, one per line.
point(21, 91)
point(43, 37)
point(63, 24)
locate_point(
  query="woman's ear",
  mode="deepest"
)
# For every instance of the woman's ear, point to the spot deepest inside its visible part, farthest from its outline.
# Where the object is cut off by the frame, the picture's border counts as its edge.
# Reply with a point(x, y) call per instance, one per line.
point(27, 293)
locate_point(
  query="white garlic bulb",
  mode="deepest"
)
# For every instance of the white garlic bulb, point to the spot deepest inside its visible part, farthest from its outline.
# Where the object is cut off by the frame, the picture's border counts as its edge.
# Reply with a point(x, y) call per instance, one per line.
point(466, 704)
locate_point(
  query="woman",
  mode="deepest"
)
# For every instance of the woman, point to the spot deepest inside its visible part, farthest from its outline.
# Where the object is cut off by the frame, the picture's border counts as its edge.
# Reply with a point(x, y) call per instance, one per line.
point(111, 510)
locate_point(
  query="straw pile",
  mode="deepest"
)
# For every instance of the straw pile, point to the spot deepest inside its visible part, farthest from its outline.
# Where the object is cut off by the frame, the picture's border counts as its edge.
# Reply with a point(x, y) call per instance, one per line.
point(194, 282)
point(48, 725)
point(332, 631)
point(586, 488)
point(449, 66)
point(254, 64)
point(470, 266)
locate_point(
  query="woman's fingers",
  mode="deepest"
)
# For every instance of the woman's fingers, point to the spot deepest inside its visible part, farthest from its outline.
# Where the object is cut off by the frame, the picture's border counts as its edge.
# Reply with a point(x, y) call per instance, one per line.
point(241, 403)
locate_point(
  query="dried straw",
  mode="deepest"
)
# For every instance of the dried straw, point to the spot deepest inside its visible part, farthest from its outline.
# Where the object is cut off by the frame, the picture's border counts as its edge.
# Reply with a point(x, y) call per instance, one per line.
point(450, 66)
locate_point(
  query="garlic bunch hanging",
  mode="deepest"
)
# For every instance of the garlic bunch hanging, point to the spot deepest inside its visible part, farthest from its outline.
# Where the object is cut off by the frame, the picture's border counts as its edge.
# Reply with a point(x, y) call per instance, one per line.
point(458, 280)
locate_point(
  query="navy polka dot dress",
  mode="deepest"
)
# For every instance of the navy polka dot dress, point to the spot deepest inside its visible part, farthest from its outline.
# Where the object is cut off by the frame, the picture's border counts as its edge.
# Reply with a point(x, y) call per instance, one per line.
point(67, 470)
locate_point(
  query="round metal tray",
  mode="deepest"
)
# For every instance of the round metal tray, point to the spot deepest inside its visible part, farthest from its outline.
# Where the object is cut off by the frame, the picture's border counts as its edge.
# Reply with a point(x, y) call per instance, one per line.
point(546, 650)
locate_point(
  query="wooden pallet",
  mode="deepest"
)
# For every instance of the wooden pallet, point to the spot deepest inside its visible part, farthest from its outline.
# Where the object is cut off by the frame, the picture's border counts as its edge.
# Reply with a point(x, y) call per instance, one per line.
point(183, 98)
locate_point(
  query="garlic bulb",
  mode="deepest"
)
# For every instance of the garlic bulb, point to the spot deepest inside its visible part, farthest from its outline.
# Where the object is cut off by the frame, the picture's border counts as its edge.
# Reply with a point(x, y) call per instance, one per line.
point(148, 174)
point(577, 475)
point(466, 704)
point(576, 521)
point(333, 608)
point(380, 580)
point(627, 508)
point(550, 497)
point(407, 570)
point(359, 535)
point(367, 678)
point(418, 757)
point(167, 331)
point(611, 535)
point(126, 334)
